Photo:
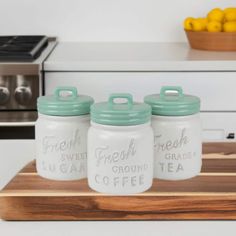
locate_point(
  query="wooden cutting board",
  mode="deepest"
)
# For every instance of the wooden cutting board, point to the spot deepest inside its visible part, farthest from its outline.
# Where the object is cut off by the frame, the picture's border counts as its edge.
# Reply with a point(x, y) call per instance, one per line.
point(211, 195)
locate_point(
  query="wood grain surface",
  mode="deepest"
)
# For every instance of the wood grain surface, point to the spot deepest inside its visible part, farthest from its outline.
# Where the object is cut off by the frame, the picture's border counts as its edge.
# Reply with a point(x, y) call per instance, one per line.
point(211, 195)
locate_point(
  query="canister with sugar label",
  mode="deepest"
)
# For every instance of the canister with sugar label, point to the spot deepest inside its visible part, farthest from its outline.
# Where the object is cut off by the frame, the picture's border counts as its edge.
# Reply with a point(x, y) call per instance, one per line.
point(120, 146)
point(177, 133)
point(61, 134)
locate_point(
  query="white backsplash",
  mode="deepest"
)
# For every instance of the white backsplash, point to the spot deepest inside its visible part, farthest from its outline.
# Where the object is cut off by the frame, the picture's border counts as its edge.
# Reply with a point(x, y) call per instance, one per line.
point(103, 20)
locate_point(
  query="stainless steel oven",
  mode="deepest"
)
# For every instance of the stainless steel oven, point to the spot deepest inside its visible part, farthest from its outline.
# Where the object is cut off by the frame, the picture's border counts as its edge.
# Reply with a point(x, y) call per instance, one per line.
point(21, 83)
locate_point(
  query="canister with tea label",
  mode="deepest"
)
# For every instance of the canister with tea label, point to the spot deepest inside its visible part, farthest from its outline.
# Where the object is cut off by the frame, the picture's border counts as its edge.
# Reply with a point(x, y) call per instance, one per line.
point(177, 134)
point(61, 134)
point(120, 146)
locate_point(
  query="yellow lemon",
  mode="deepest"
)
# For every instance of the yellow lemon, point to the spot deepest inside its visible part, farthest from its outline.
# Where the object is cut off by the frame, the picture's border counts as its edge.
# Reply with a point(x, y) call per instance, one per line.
point(188, 23)
point(216, 15)
point(214, 26)
point(230, 15)
point(203, 22)
point(197, 25)
point(230, 26)
point(229, 9)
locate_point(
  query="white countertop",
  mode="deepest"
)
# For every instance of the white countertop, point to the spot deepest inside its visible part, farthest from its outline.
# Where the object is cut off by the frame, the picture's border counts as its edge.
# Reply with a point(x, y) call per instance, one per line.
point(75, 56)
point(117, 57)
point(131, 228)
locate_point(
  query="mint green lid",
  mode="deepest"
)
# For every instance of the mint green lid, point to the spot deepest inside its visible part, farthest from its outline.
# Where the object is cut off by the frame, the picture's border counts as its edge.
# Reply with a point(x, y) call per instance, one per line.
point(172, 102)
point(120, 114)
point(64, 102)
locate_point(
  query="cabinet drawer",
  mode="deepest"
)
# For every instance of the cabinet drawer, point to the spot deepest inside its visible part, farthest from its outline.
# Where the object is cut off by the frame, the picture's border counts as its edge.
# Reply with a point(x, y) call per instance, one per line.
point(216, 90)
point(218, 126)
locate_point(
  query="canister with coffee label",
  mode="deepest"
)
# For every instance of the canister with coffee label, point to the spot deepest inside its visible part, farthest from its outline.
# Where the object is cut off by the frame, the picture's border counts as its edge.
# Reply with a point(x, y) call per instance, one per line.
point(120, 146)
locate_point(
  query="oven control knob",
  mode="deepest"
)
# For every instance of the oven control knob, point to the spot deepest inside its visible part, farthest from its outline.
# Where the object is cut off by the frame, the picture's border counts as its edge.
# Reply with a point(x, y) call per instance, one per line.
point(4, 95)
point(23, 95)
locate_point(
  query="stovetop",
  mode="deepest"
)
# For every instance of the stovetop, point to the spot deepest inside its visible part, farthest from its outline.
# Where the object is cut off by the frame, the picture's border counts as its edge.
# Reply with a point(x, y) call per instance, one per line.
point(22, 48)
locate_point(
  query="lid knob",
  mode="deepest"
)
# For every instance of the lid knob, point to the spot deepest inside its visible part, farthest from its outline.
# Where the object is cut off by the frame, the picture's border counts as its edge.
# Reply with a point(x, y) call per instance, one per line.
point(165, 89)
point(72, 95)
point(126, 96)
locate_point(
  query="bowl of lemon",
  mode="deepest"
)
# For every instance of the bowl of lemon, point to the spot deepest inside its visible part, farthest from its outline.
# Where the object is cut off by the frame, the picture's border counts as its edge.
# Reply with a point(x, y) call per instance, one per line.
point(215, 32)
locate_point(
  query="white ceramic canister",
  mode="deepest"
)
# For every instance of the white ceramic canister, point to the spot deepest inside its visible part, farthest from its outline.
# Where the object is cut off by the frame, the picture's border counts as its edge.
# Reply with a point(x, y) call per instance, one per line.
point(61, 134)
point(120, 146)
point(177, 134)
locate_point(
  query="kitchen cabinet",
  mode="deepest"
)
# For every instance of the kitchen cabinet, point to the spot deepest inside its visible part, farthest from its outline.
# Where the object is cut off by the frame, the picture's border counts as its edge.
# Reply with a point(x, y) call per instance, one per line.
point(216, 90)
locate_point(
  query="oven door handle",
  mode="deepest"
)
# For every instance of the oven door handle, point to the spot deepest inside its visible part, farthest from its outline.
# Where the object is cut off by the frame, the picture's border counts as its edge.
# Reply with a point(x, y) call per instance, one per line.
point(17, 124)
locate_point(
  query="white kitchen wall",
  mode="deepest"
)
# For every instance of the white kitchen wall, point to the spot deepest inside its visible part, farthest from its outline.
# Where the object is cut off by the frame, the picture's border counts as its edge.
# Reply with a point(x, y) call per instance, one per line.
point(103, 20)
